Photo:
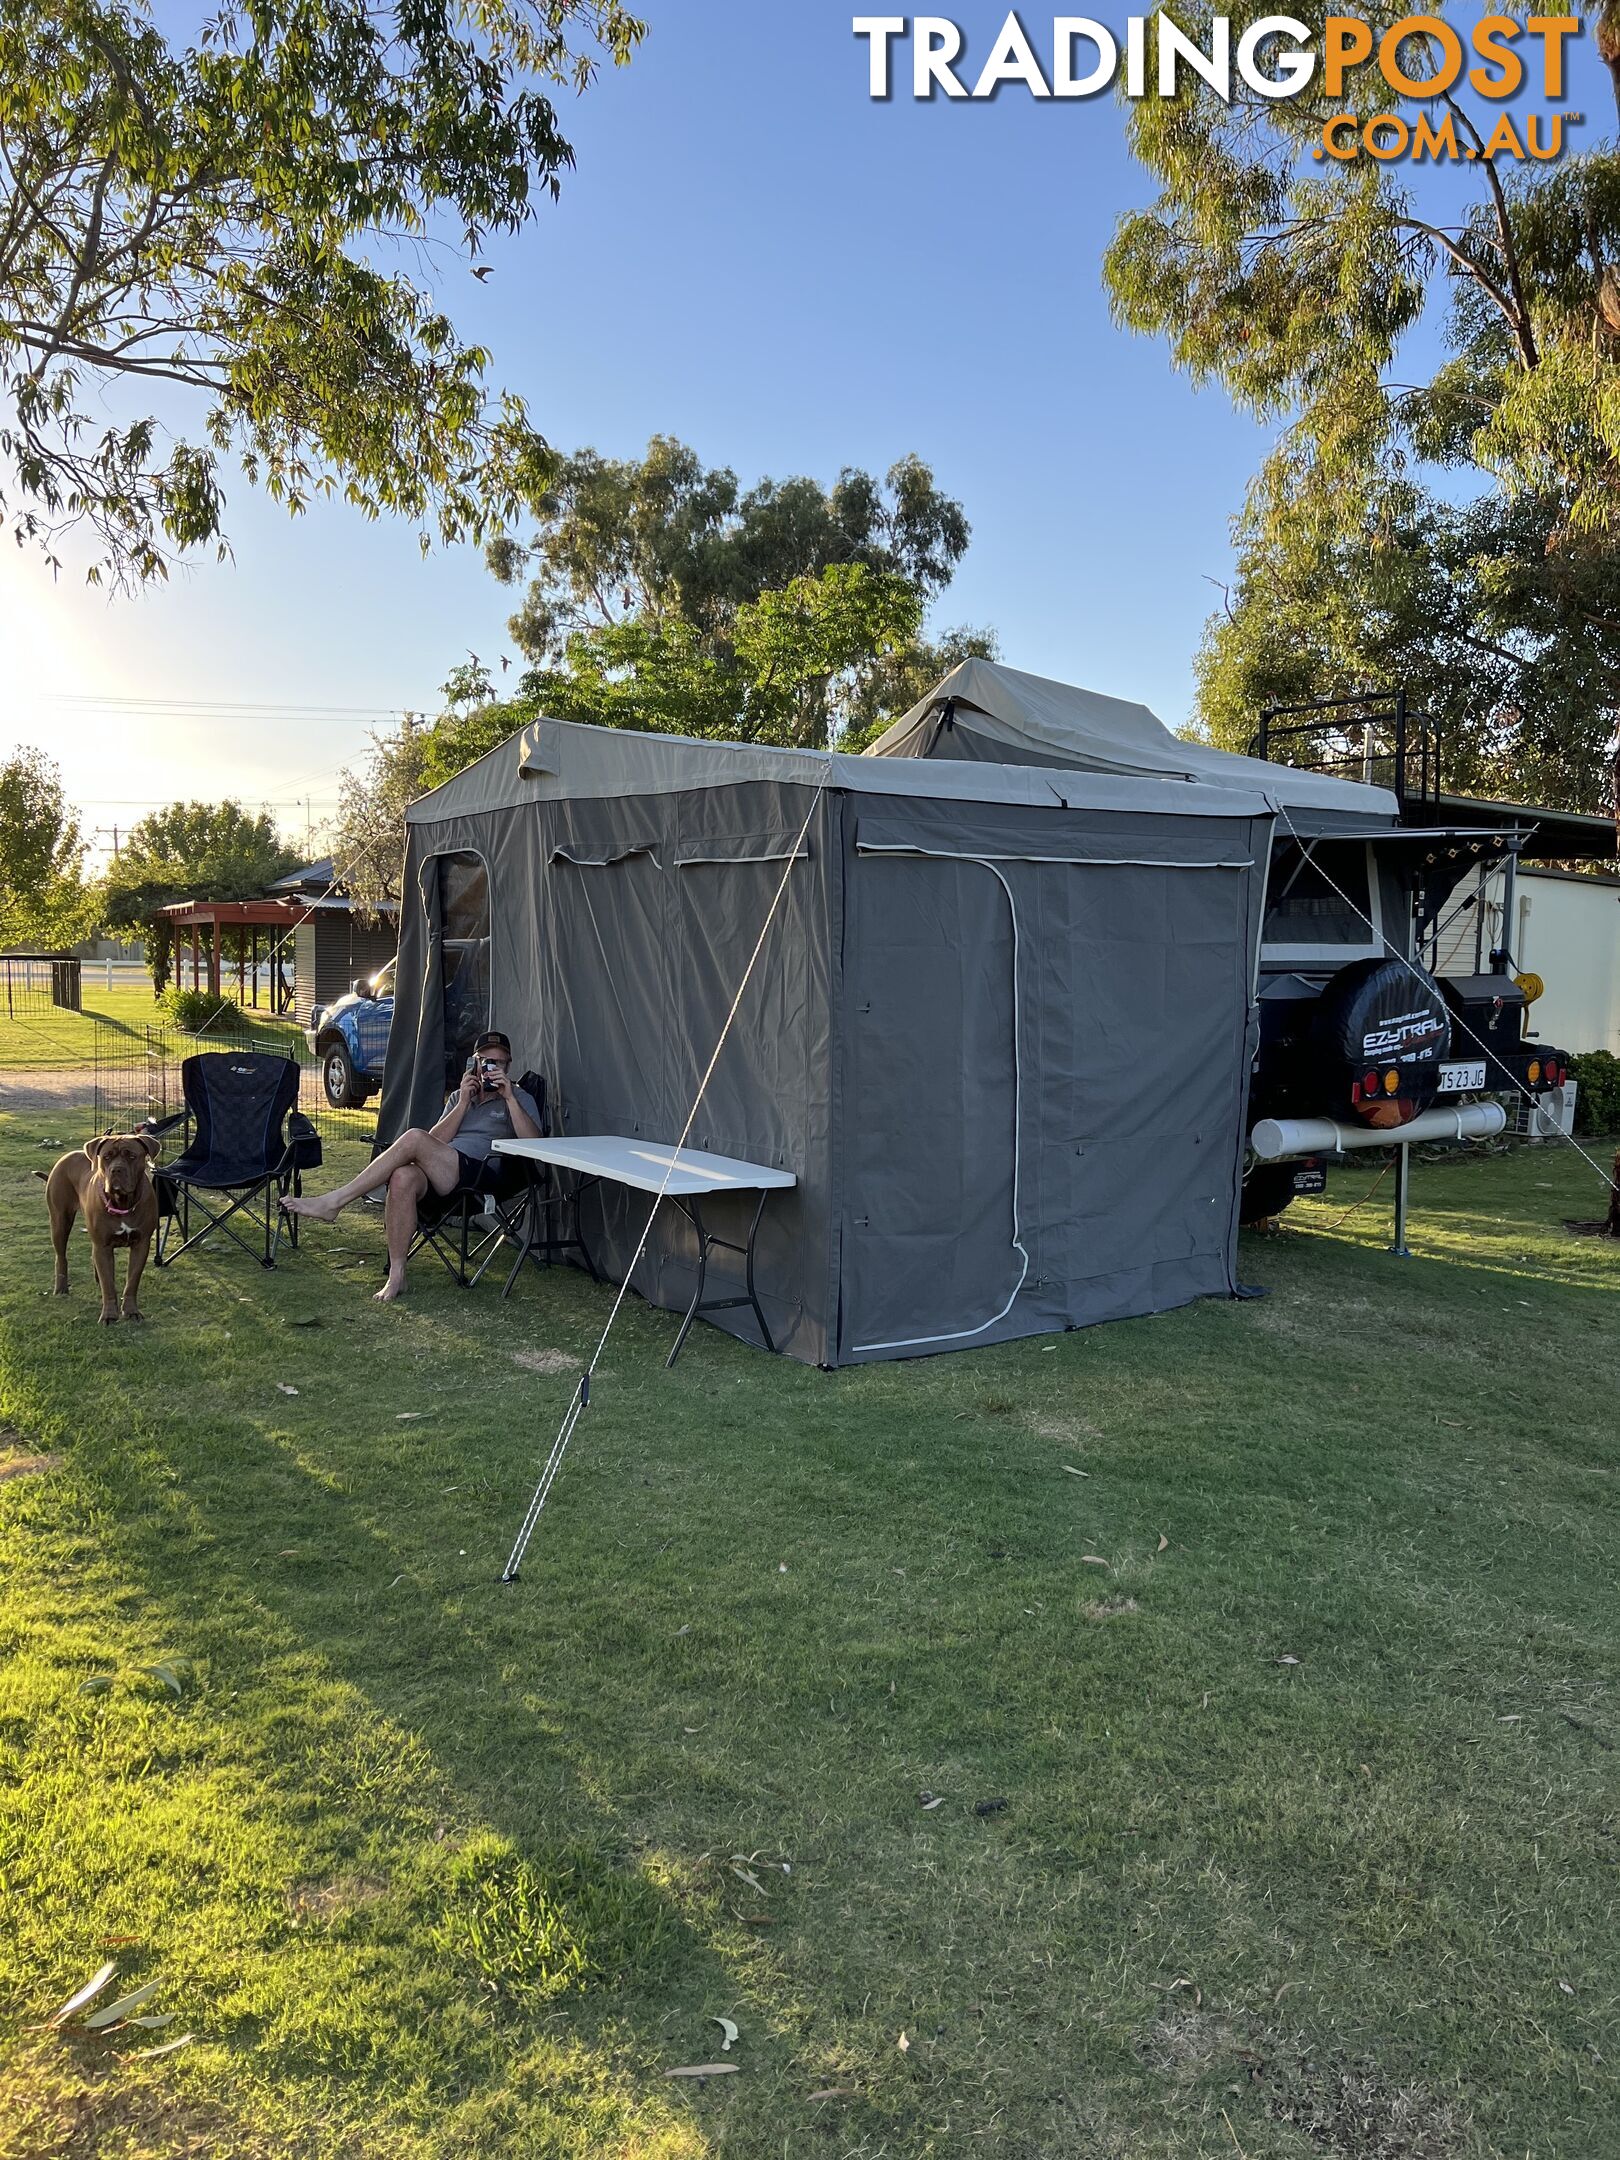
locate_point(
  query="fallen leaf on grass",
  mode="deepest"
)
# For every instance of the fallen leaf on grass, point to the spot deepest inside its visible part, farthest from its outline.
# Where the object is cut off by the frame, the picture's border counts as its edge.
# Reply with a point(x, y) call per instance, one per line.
point(1073, 1472)
point(728, 2029)
point(1566, 1988)
point(835, 2092)
point(168, 2048)
point(1092, 1559)
point(903, 2044)
point(87, 1994)
point(1164, 1542)
point(703, 2070)
point(930, 1800)
point(404, 1416)
point(749, 1877)
point(1288, 1658)
point(283, 1389)
point(114, 2012)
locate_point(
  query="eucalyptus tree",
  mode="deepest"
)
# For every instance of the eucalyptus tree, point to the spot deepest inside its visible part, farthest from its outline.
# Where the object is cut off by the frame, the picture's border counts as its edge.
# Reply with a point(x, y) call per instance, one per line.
point(229, 248)
point(1455, 524)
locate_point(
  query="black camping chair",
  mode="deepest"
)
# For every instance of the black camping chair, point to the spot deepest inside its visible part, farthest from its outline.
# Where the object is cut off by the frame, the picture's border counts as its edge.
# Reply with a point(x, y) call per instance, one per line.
point(447, 1224)
point(248, 1143)
point(467, 1230)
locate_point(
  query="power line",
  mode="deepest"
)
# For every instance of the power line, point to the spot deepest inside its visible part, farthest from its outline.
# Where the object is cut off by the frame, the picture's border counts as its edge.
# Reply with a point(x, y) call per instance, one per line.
point(117, 702)
point(164, 802)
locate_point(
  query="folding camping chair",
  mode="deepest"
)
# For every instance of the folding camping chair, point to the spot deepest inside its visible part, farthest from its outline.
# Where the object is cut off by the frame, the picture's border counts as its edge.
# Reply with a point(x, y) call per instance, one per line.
point(467, 1230)
point(248, 1142)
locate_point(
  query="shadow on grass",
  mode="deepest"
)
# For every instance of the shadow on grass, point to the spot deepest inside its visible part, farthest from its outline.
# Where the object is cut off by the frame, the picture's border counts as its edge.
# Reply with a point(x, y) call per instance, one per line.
point(446, 1761)
point(702, 1589)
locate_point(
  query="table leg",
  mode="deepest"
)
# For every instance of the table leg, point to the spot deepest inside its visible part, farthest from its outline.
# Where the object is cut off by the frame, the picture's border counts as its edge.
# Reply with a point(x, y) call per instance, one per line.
point(694, 1215)
point(581, 1187)
point(531, 1214)
point(748, 1264)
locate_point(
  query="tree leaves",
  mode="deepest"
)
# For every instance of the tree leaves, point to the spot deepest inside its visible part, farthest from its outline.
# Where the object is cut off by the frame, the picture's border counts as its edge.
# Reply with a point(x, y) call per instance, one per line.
point(43, 896)
point(221, 217)
point(663, 596)
point(1462, 532)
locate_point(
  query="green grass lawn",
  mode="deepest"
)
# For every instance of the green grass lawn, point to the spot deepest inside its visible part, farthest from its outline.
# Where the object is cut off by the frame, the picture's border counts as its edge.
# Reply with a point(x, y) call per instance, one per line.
point(1301, 1702)
point(50, 1039)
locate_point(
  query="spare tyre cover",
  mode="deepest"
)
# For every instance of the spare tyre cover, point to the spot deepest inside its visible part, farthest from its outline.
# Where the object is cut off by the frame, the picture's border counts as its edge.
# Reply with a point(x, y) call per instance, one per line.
point(1379, 1016)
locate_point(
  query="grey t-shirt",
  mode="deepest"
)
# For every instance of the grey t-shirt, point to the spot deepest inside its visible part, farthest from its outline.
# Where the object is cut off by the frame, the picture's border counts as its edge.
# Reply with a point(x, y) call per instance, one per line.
point(488, 1121)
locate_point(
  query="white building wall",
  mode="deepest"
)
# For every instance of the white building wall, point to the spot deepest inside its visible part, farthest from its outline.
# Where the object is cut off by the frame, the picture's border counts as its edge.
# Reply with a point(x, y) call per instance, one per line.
point(1566, 929)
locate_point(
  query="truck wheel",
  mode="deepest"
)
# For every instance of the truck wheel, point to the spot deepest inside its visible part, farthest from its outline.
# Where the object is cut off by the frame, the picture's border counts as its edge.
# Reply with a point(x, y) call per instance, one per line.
point(342, 1083)
point(1267, 1189)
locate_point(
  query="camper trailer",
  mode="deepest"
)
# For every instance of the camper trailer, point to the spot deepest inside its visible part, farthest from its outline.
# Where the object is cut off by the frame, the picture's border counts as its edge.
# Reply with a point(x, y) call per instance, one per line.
point(1358, 1042)
point(1038, 983)
point(998, 1034)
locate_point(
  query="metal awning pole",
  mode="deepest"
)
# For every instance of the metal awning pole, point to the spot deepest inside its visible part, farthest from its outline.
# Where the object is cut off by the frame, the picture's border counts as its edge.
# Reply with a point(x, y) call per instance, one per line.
point(1502, 952)
point(1403, 1188)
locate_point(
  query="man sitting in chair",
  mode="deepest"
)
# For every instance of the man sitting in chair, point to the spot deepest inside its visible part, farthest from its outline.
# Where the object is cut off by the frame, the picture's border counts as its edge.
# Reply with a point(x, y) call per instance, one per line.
point(454, 1157)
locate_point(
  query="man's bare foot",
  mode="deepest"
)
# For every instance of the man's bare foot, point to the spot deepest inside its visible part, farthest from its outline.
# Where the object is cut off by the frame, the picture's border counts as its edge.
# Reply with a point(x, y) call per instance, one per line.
point(317, 1207)
point(390, 1290)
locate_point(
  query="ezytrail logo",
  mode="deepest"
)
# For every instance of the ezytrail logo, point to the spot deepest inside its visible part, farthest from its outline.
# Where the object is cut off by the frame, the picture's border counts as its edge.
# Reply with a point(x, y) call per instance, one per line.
point(1418, 58)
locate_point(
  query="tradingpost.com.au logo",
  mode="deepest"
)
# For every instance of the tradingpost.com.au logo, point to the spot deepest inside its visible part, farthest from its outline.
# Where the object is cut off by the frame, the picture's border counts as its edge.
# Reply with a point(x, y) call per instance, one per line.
point(1419, 58)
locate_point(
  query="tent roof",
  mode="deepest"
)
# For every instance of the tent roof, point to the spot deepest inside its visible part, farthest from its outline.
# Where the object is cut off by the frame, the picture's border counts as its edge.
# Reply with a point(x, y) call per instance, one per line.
point(553, 760)
point(1060, 723)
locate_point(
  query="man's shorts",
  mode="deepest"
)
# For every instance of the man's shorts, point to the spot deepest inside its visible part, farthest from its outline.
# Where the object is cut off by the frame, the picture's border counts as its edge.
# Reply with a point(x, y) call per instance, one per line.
point(477, 1175)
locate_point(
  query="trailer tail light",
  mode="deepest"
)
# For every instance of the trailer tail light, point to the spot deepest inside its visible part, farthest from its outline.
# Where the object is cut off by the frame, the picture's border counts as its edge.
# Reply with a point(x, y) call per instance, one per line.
point(1392, 1082)
point(1355, 1091)
point(1369, 1086)
point(1535, 1071)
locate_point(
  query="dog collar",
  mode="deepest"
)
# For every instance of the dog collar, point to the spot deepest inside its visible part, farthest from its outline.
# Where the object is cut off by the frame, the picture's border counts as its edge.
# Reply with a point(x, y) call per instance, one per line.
point(111, 1210)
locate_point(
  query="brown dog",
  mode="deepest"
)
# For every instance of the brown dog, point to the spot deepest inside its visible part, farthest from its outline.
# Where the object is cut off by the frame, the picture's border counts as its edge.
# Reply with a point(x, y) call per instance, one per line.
point(110, 1180)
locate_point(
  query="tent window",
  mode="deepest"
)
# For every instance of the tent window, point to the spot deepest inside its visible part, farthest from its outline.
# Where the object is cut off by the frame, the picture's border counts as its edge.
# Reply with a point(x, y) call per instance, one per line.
point(1316, 893)
point(464, 952)
point(740, 848)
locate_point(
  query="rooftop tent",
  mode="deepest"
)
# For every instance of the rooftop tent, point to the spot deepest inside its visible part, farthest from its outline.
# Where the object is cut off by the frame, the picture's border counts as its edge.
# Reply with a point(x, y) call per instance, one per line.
point(1000, 1030)
point(984, 711)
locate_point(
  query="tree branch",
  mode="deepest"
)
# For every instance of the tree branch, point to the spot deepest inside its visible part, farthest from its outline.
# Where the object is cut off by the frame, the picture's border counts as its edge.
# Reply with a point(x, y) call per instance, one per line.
point(1523, 329)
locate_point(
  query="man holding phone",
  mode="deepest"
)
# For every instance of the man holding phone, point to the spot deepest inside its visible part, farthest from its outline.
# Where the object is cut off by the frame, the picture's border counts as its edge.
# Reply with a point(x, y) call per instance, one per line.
point(455, 1156)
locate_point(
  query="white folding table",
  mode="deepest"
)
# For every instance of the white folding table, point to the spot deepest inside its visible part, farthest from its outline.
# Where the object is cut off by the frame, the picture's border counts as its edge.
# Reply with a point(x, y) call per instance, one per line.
point(688, 1177)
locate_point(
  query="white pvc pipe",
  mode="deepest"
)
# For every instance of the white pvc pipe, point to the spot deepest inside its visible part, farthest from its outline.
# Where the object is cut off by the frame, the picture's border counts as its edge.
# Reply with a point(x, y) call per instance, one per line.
point(1273, 1138)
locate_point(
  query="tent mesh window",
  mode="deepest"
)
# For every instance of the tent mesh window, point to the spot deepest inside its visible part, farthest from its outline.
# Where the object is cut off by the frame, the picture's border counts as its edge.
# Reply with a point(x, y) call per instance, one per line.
point(464, 916)
point(1319, 896)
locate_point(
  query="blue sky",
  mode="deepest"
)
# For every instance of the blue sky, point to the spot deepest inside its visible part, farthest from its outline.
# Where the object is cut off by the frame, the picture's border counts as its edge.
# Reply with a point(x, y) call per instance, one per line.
point(754, 256)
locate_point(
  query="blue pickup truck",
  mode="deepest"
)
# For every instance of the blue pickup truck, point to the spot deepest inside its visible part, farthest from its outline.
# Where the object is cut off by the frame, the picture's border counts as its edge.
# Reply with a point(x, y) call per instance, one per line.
point(351, 1039)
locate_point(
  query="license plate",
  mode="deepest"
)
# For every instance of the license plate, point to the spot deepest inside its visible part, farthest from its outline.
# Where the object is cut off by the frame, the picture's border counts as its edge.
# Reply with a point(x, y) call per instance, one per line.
point(1458, 1079)
point(1311, 1179)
